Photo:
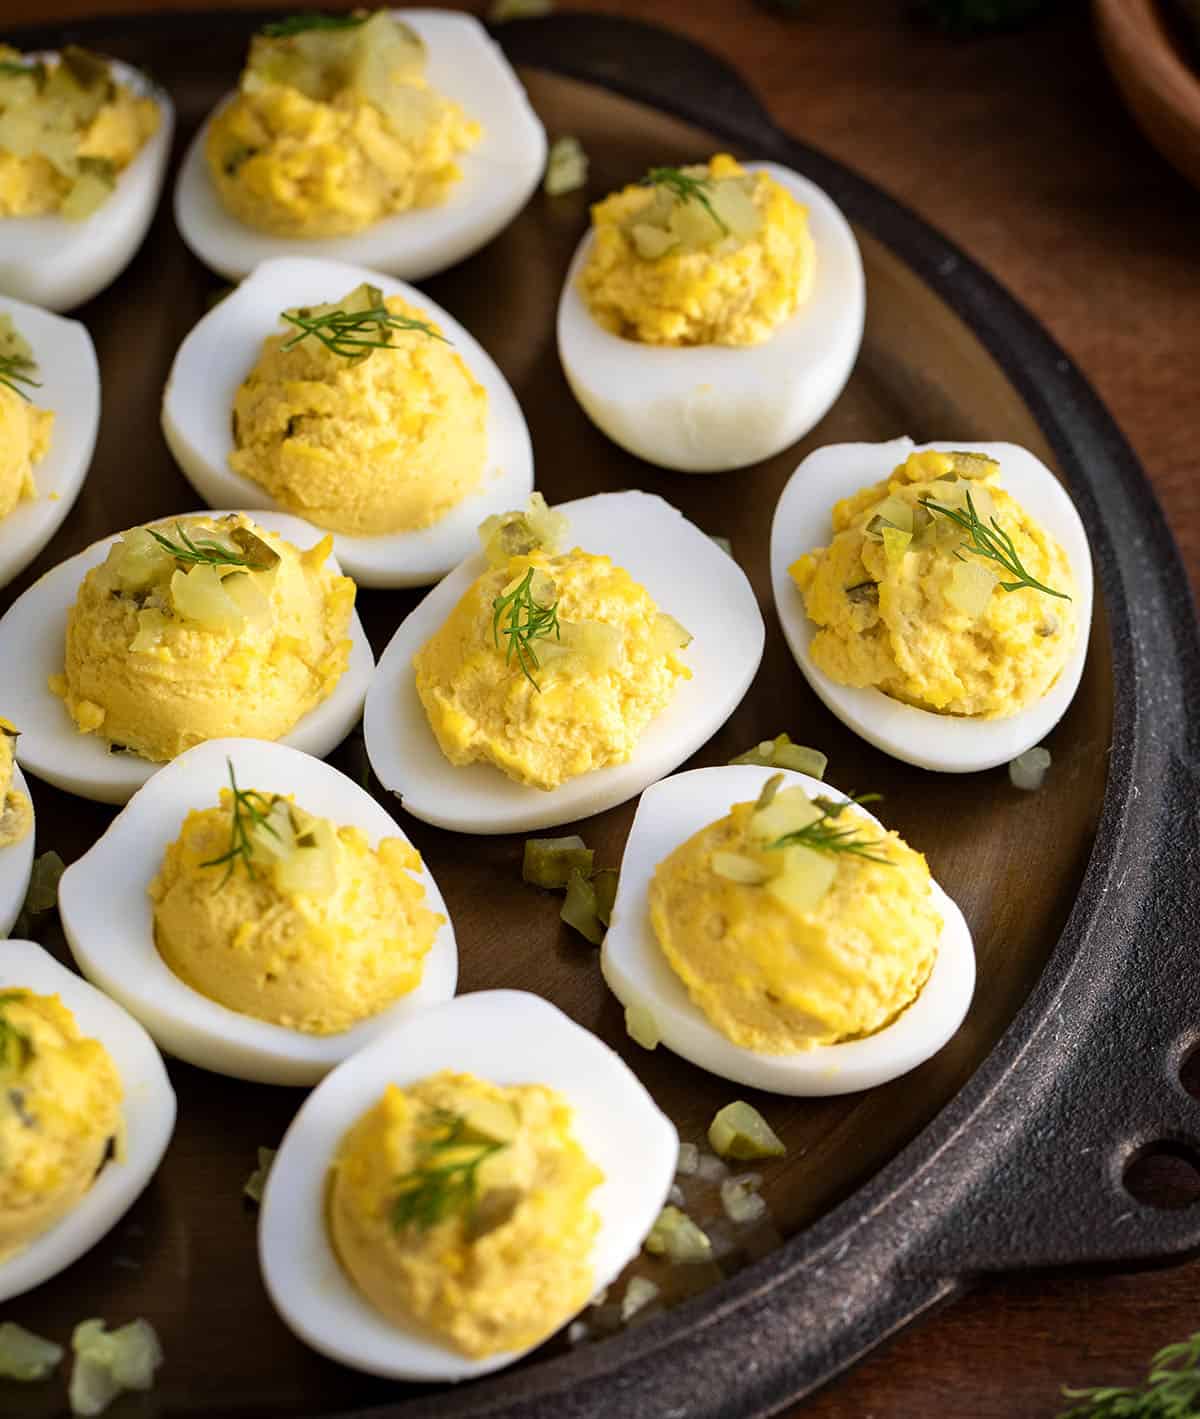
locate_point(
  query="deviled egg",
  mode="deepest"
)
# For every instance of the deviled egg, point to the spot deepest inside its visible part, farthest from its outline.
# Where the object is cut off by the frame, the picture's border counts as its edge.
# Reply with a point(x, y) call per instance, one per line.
point(16, 830)
point(84, 142)
point(534, 686)
point(401, 140)
point(772, 931)
point(155, 639)
point(713, 313)
point(86, 1113)
point(49, 415)
point(945, 617)
point(562, 1163)
point(401, 451)
point(263, 916)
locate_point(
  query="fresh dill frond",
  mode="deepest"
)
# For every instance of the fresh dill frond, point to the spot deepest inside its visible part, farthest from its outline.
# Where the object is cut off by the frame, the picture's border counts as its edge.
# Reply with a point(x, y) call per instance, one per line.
point(822, 836)
point(14, 373)
point(300, 24)
point(202, 551)
point(354, 334)
point(528, 621)
point(446, 1178)
point(250, 809)
point(685, 188)
point(1171, 1391)
point(994, 544)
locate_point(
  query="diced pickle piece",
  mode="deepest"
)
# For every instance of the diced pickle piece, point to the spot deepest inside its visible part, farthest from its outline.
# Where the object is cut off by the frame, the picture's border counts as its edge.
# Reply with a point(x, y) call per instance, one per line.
point(740, 1131)
point(275, 837)
point(260, 556)
point(257, 1181)
point(970, 588)
point(198, 596)
point(732, 203)
point(25, 1356)
point(90, 192)
point(1028, 770)
point(675, 1236)
point(152, 626)
point(489, 1121)
point(566, 167)
point(695, 224)
point(741, 1201)
point(493, 1210)
point(895, 544)
point(579, 908)
point(311, 868)
point(892, 512)
point(781, 753)
point(604, 884)
point(13, 344)
point(735, 867)
point(974, 465)
point(548, 862)
point(245, 590)
point(650, 242)
point(515, 534)
point(641, 1026)
point(803, 879)
point(670, 635)
point(789, 812)
point(141, 562)
point(107, 1362)
point(638, 1294)
point(593, 647)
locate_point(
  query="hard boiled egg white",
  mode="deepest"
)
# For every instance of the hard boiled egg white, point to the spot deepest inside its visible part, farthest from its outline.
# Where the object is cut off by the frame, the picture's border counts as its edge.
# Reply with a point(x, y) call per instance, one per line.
point(148, 1108)
point(109, 922)
point(60, 264)
point(688, 576)
point(70, 385)
point(220, 352)
point(951, 744)
point(16, 865)
point(499, 173)
point(504, 1036)
point(709, 408)
point(32, 640)
point(639, 975)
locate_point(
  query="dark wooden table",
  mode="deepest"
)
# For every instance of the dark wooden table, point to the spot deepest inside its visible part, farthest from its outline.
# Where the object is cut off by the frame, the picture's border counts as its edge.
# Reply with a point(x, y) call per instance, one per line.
point(1016, 147)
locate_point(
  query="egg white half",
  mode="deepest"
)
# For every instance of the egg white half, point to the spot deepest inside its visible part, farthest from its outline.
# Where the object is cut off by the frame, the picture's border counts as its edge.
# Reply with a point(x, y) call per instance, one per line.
point(710, 408)
point(69, 377)
point(148, 1108)
point(508, 1037)
point(499, 173)
point(32, 641)
point(220, 352)
point(688, 576)
point(59, 264)
point(947, 743)
point(16, 865)
point(108, 916)
point(638, 972)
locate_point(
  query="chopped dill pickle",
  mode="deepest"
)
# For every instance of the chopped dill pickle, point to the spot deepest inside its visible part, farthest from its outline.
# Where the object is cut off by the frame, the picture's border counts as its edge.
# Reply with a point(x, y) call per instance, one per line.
point(108, 1362)
point(25, 1356)
point(257, 1180)
point(549, 862)
point(863, 591)
point(641, 1026)
point(604, 884)
point(566, 167)
point(724, 543)
point(740, 1131)
point(580, 908)
point(974, 465)
point(675, 1236)
point(781, 753)
point(638, 1295)
point(260, 556)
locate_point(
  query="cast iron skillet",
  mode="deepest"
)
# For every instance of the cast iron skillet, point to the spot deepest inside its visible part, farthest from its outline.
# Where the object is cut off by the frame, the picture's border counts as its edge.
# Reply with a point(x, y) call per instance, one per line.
point(1025, 1167)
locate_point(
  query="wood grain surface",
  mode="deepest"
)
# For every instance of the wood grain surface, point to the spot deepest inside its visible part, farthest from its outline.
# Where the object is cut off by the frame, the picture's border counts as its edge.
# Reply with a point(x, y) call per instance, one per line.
point(1017, 147)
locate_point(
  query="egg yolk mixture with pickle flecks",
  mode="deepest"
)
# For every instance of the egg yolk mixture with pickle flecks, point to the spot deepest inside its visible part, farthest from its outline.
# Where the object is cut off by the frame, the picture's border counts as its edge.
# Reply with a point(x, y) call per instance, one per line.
point(25, 430)
point(551, 665)
point(67, 131)
point(356, 438)
point(702, 255)
point(219, 629)
point(462, 1208)
point(60, 1110)
point(280, 915)
point(16, 812)
point(335, 127)
point(796, 922)
point(903, 603)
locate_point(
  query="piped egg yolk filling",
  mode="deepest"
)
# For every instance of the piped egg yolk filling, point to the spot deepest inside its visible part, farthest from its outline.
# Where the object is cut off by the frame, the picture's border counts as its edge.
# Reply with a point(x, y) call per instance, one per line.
point(711, 255)
point(462, 1208)
point(25, 429)
point(16, 812)
point(549, 666)
point(902, 604)
point(784, 946)
point(67, 131)
point(309, 927)
point(334, 129)
point(60, 1110)
point(363, 442)
point(164, 651)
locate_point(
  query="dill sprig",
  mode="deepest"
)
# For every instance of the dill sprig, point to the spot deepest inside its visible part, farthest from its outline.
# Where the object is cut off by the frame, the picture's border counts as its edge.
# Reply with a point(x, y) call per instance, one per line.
point(301, 24)
point(446, 1179)
point(250, 809)
point(202, 551)
point(992, 543)
point(13, 373)
point(16, 1048)
point(528, 621)
point(685, 188)
point(1172, 1390)
point(353, 334)
point(822, 836)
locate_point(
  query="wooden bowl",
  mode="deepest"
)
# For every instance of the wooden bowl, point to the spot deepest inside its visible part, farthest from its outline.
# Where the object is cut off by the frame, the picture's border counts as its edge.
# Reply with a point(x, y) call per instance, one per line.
point(1159, 85)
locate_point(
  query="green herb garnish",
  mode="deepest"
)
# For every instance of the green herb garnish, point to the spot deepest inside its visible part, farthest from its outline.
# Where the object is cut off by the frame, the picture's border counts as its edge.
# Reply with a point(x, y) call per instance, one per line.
point(13, 373)
point(301, 24)
point(250, 809)
point(684, 189)
point(202, 552)
point(1172, 1390)
point(446, 1180)
point(821, 836)
point(354, 334)
point(992, 543)
point(528, 621)
point(16, 1048)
